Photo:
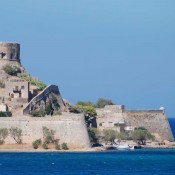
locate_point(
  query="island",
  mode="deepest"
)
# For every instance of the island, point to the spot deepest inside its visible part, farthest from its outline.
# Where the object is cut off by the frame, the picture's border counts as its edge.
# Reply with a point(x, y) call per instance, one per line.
point(34, 116)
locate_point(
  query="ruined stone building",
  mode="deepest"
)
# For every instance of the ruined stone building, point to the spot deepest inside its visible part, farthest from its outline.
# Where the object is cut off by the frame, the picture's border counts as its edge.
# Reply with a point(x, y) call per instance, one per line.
point(17, 93)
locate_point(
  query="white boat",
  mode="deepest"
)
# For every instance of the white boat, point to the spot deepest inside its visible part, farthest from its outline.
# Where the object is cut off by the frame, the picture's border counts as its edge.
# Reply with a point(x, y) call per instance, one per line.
point(123, 147)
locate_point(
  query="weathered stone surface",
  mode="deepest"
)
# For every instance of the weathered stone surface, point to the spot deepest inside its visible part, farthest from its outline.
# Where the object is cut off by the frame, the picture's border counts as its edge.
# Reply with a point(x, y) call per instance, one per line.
point(153, 120)
point(9, 54)
point(69, 128)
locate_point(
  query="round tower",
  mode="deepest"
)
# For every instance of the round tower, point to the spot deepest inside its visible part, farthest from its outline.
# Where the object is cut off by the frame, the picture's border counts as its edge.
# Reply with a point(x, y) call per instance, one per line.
point(9, 54)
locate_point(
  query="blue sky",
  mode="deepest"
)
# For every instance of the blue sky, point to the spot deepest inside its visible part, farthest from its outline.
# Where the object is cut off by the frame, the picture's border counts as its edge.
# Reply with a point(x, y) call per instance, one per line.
point(122, 50)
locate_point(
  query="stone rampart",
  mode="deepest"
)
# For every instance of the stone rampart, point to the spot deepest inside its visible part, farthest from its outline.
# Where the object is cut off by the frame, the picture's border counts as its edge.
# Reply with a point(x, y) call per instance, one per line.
point(153, 120)
point(69, 128)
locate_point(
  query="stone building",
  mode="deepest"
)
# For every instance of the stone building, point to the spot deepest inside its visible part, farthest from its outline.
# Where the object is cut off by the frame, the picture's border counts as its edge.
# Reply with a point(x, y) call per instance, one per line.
point(17, 89)
point(9, 54)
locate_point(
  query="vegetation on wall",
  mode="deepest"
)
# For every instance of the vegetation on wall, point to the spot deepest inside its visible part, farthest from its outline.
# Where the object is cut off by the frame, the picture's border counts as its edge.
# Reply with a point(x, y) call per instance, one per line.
point(51, 108)
point(33, 81)
point(64, 146)
point(89, 113)
point(3, 135)
point(40, 113)
point(11, 70)
point(5, 114)
point(48, 135)
point(16, 134)
point(36, 143)
point(100, 103)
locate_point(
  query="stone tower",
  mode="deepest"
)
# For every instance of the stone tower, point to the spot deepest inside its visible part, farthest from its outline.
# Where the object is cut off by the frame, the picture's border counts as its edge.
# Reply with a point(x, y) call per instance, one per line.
point(9, 54)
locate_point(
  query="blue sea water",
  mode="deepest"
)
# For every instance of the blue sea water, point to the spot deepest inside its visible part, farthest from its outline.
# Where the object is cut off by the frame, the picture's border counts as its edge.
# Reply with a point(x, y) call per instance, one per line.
point(131, 162)
point(172, 125)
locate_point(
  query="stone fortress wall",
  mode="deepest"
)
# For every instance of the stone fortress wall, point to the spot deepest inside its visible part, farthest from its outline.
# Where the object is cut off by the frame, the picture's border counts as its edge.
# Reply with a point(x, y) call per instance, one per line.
point(9, 54)
point(153, 120)
point(111, 117)
point(70, 129)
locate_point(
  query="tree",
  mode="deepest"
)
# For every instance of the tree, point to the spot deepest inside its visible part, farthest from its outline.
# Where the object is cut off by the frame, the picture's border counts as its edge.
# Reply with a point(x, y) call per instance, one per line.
point(85, 103)
point(141, 134)
point(16, 134)
point(48, 135)
point(89, 113)
point(3, 135)
point(102, 102)
point(110, 135)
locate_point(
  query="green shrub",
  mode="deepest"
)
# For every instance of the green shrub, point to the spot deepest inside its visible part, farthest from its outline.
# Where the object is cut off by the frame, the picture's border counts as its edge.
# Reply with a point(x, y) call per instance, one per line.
point(102, 102)
point(141, 134)
point(85, 103)
point(36, 143)
point(11, 70)
point(48, 135)
point(5, 114)
point(110, 135)
point(40, 113)
point(57, 147)
point(44, 145)
point(3, 135)
point(64, 146)
point(16, 134)
point(33, 81)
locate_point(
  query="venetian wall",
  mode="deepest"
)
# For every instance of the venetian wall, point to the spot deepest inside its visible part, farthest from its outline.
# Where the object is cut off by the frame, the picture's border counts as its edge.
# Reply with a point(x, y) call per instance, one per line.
point(69, 128)
point(153, 120)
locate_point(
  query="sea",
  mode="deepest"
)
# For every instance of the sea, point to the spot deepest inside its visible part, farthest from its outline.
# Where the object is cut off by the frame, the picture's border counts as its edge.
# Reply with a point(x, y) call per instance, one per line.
point(112, 162)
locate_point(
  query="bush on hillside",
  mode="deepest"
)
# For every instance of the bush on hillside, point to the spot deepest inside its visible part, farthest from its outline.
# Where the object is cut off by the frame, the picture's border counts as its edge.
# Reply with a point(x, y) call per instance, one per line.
point(11, 70)
point(85, 103)
point(33, 81)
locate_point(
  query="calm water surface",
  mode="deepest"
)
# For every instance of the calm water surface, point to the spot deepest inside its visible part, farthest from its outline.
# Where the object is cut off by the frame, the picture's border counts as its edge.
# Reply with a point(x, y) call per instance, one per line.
point(155, 162)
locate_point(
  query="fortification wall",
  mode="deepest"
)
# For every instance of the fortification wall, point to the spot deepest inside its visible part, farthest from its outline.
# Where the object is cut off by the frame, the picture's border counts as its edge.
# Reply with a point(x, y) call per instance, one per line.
point(69, 128)
point(153, 120)
point(9, 54)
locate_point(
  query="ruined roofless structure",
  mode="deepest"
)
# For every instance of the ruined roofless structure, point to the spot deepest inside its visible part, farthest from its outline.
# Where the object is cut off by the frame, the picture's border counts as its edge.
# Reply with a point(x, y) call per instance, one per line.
point(9, 54)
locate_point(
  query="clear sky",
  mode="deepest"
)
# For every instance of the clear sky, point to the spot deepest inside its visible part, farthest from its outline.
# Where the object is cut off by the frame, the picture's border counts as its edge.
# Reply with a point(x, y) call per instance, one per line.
point(122, 50)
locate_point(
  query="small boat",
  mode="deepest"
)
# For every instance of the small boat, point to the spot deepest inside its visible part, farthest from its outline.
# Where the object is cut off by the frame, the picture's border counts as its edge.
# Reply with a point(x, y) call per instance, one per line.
point(123, 147)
